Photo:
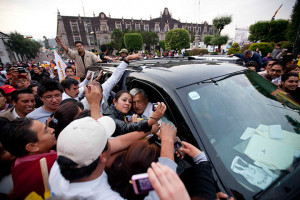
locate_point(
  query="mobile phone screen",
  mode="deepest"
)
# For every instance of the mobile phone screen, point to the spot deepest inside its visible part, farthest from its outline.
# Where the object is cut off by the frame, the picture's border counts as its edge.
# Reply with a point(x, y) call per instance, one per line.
point(144, 185)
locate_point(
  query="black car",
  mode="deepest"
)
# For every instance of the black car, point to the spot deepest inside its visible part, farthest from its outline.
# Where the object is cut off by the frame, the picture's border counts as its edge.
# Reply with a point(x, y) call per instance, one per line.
point(248, 128)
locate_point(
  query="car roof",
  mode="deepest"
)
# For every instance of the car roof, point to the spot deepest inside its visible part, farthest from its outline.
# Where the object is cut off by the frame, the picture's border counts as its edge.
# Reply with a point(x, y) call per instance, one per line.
point(180, 74)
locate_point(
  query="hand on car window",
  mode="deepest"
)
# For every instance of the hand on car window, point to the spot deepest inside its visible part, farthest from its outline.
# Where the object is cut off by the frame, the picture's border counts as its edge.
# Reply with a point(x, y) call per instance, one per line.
point(189, 149)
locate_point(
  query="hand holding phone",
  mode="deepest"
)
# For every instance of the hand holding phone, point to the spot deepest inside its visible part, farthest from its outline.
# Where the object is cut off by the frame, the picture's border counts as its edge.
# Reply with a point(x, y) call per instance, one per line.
point(141, 183)
point(177, 145)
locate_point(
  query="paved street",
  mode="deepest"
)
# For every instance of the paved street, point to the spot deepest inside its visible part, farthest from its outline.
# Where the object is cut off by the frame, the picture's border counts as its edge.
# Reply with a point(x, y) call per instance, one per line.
point(43, 57)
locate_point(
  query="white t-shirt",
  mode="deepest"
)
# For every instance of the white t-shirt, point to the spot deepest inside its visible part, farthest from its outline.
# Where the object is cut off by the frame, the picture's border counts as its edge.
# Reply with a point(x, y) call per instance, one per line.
point(92, 190)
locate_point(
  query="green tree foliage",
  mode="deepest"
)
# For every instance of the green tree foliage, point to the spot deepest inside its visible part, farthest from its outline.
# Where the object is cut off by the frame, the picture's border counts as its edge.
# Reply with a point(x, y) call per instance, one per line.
point(218, 40)
point(235, 48)
point(117, 39)
point(207, 40)
point(267, 31)
point(162, 44)
point(176, 39)
point(286, 44)
point(196, 52)
point(264, 47)
point(149, 38)
point(133, 41)
point(245, 47)
point(220, 22)
point(295, 22)
point(23, 46)
point(46, 42)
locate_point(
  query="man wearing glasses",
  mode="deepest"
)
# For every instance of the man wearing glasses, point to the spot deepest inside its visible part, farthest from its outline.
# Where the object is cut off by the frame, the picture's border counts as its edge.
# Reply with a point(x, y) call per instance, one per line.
point(50, 93)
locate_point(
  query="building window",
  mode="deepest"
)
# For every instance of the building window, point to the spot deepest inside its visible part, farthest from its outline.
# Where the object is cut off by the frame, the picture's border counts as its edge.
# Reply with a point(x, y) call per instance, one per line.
point(156, 28)
point(137, 26)
point(77, 38)
point(190, 28)
point(194, 29)
point(91, 40)
point(128, 26)
point(74, 26)
point(103, 27)
point(175, 25)
point(166, 29)
point(118, 25)
point(106, 39)
point(210, 30)
point(205, 29)
point(88, 28)
point(146, 27)
point(199, 29)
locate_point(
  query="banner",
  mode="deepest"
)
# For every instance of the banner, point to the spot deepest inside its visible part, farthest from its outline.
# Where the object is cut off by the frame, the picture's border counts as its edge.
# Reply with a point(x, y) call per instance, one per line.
point(61, 66)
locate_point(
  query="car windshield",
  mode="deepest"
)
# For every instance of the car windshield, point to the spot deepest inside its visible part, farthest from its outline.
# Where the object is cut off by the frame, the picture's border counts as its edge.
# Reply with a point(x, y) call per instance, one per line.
point(251, 124)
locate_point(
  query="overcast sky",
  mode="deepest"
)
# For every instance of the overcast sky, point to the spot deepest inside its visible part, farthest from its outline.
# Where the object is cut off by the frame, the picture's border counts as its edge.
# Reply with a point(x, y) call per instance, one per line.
point(39, 17)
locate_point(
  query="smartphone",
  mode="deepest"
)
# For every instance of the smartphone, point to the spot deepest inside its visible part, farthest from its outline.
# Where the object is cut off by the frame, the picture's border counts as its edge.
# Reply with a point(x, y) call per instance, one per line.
point(177, 145)
point(141, 183)
point(129, 118)
point(154, 106)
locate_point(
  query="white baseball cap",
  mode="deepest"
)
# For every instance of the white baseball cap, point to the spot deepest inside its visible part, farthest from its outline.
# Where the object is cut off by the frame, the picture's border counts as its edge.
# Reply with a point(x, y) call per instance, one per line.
point(83, 140)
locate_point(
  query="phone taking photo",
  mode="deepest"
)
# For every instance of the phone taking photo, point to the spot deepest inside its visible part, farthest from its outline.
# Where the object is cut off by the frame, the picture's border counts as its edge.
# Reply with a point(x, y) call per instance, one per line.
point(177, 145)
point(141, 183)
point(154, 106)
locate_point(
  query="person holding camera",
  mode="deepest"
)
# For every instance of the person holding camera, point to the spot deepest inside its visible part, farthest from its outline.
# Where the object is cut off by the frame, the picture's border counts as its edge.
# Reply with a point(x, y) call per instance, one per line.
point(121, 106)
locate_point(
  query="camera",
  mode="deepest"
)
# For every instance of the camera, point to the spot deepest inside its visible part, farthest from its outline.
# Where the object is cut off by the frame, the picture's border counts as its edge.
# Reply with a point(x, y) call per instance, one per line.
point(154, 106)
point(141, 183)
point(177, 145)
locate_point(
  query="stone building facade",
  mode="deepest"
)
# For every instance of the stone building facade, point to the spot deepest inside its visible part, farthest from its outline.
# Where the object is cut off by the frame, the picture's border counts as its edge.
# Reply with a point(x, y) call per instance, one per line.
point(96, 30)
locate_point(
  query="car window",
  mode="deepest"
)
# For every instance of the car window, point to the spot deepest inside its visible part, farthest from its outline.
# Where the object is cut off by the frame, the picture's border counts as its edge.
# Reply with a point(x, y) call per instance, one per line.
point(252, 126)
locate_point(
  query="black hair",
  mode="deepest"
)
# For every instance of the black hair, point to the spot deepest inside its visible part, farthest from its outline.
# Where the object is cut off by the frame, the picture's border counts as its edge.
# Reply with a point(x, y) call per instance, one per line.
point(279, 63)
point(16, 135)
point(68, 82)
point(251, 64)
point(247, 52)
point(33, 83)
point(272, 60)
point(83, 114)
point(103, 47)
point(118, 94)
point(286, 76)
point(2, 92)
point(69, 170)
point(78, 42)
point(69, 68)
point(15, 94)
point(79, 104)
point(287, 58)
point(48, 84)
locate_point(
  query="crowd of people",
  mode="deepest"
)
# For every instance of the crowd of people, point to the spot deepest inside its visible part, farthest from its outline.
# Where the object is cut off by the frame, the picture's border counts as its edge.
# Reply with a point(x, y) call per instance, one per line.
point(278, 67)
point(93, 147)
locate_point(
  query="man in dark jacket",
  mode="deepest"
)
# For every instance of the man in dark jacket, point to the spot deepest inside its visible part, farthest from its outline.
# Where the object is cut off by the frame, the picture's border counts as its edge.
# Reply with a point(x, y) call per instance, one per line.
point(249, 55)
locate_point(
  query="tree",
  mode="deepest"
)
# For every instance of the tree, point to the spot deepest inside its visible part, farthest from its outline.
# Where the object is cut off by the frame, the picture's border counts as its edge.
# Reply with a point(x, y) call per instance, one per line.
point(133, 41)
point(162, 44)
point(218, 40)
point(265, 48)
point(295, 22)
point(268, 31)
point(23, 46)
point(149, 38)
point(220, 22)
point(207, 40)
point(46, 42)
point(177, 39)
point(117, 39)
point(235, 48)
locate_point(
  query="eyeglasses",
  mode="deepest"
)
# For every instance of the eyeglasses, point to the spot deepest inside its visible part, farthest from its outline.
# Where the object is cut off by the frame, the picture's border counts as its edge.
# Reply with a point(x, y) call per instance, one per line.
point(50, 98)
point(22, 80)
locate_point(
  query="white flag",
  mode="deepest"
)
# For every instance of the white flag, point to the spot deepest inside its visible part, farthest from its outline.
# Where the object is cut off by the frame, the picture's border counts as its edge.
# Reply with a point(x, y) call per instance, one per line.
point(61, 66)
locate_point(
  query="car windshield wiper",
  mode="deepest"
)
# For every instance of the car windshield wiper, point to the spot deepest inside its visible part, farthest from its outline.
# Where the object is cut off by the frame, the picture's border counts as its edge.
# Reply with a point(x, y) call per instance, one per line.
point(290, 170)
